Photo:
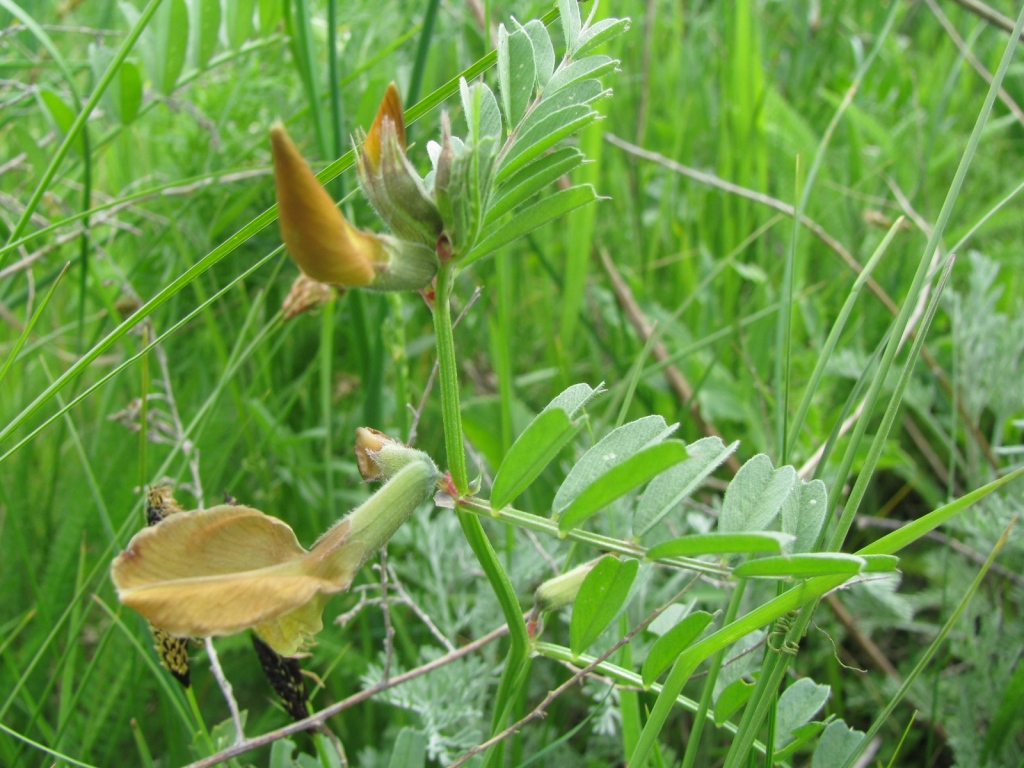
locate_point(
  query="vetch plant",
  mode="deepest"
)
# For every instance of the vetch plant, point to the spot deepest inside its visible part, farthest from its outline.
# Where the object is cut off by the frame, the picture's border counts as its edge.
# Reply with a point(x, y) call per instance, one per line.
point(185, 575)
point(618, 541)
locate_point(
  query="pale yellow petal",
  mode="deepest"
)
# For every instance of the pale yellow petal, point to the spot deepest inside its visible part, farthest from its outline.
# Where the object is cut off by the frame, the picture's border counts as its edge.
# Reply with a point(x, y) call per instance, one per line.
point(217, 572)
point(208, 542)
point(288, 634)
point(223, 605)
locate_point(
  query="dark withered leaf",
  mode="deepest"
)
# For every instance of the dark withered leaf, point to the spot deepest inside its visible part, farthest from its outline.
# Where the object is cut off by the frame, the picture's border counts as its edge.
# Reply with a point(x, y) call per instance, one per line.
point(285, 676)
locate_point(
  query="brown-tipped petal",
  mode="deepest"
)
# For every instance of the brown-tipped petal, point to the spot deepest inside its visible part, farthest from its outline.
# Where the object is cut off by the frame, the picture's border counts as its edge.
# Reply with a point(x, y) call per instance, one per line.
point(390, 107)
point(369, 443)
point(306, 295)
point(325, 246)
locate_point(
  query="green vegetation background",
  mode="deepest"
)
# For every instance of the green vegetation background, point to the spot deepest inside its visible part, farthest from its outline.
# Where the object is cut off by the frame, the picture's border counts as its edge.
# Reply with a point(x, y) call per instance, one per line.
point(742, 90)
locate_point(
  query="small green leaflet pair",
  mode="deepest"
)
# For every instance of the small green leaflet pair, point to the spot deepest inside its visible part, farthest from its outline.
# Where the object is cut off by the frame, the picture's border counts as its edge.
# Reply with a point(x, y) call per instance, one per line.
point(603, 596)
point(643, 452)
point(628, 457)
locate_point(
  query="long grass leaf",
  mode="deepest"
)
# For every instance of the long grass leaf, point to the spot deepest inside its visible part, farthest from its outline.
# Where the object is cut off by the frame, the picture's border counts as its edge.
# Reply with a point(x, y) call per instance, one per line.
point(929, 653)
point(72, 135)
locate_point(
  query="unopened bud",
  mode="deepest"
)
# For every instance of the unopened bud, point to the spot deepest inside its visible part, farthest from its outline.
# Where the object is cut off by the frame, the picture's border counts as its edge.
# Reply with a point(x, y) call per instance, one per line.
point(443, 172)
point(390, 109)
point(390, 182)
point(562, 590)
point(380, 457)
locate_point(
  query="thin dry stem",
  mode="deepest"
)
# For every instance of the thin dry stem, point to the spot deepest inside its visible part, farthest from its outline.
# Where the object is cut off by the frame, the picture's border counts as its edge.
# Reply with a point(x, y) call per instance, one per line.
point(833, 244)
point(225, 687)
point(540, 710)
point(966, 52)
point(406, 599)
point(385, 609)
point(317, 719)
point(680, 386)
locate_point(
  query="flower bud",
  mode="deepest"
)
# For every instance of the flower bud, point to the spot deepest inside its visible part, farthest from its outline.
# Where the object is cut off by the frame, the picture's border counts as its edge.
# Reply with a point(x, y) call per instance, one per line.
point(390, 182)
point(380, 457)
point(562, 590)
point(326, 247)
point(390, 109)
point(411, 476)
point(443, 172)
point(369, 443)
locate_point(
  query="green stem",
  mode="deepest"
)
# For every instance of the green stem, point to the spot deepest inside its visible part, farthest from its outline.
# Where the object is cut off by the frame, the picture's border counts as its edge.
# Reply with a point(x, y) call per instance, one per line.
point(701, 715)
point(399, 363)
point(193, 705)
point(804, 593)
point(448, 377)
point(320, 743)
point(629, 699)
point(512, 678)
point(540, 524)
point(623, 675)
point(334, 80)
point(761, 702)
point(326, 390)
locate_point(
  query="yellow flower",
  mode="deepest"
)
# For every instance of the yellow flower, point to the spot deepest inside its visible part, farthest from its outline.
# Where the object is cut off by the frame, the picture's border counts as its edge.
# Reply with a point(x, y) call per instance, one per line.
point(325, 246)
point(219, 571)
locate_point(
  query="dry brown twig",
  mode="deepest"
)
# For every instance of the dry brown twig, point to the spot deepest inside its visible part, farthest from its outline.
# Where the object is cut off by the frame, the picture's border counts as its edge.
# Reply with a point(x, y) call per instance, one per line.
point(319, 718)
point(833, 244)
point(987, 13)
point(385, 609)
point(969, 55)
point(766, 200)
point(406, 599)
point(680, 386)
point(540, 710)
